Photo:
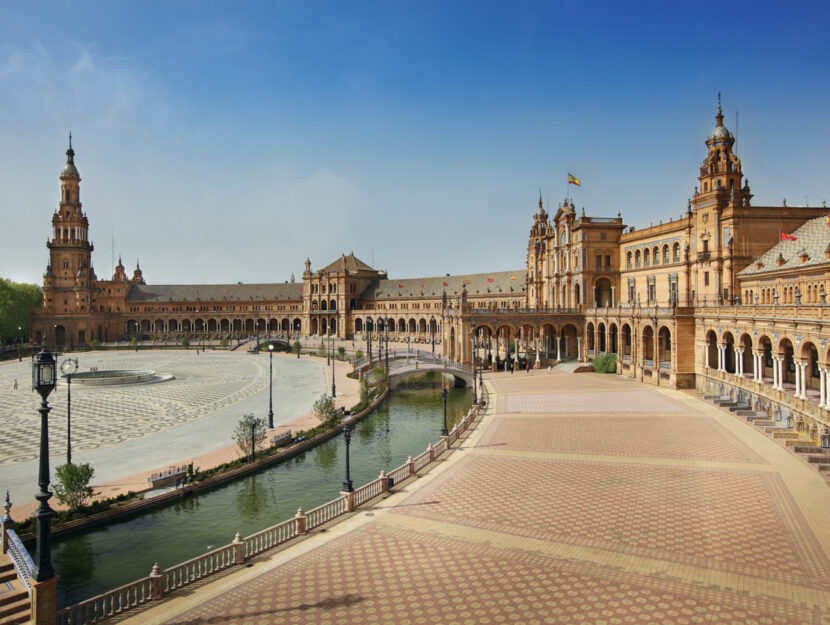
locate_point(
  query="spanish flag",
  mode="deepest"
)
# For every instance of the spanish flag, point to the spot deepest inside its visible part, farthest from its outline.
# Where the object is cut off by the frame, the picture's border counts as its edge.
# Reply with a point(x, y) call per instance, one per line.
point(445, 284)
point(787, 237)
point(828, 220)
point(512, 277)
point(574, 180)
point(490, 280)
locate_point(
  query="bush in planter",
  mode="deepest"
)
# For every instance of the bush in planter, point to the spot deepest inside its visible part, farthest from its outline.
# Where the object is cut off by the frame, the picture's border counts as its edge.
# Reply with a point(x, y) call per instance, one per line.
point(94, 344)
point(185, 342)
point(606, 363)
point(341, 352)
point(358, 355)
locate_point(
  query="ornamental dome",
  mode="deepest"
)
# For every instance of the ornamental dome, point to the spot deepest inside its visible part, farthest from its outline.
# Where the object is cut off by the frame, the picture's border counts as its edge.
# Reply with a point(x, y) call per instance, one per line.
point(69, 170)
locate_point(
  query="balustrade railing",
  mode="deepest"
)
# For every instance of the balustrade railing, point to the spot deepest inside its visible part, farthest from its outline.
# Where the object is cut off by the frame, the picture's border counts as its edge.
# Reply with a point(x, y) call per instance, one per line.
point(20, 558)
point(201, 566)
point(162, 582)
point(108, 604)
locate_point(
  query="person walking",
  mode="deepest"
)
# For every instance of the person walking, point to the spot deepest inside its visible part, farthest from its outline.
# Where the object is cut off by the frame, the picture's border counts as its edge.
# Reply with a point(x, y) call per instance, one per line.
point(15, 384)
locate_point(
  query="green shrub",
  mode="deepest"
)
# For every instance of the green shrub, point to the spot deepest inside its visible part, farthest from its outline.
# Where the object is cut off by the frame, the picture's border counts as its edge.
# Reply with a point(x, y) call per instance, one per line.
point(297, 347)
point(358, 355)
point(606, 363)
point(224, 342)
point(185, 342)
point(341, 352)
point(324, 408)
point(94, 344)
point(321, 351)
point(72, 484)
point(133, 341)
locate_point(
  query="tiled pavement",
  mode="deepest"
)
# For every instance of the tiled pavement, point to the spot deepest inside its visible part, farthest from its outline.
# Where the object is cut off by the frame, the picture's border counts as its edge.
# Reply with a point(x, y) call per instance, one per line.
point(679, 516)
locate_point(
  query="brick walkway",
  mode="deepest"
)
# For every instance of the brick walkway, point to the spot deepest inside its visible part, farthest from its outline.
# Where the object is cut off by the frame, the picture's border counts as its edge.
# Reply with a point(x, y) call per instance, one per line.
point(678, 513)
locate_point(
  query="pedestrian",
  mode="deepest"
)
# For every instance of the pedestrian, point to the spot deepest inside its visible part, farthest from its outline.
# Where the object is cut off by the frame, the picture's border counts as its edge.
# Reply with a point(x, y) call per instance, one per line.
point(548, 368)
point(15, 384)
point(528, 366)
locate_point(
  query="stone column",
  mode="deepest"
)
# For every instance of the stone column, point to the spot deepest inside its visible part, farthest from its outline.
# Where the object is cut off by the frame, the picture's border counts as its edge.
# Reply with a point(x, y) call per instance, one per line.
point(822, 402)
point(804, 380)
point(558, 340)
point(579, 348)
point(739, 362)
point(613, 296)
point(797, 392)
point(706, 362)
point(721, 354)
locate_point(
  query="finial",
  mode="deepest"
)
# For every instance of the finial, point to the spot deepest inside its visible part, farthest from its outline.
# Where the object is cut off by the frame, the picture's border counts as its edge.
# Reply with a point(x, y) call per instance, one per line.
point(719, 108)
point(70, 139)
point(540, 198)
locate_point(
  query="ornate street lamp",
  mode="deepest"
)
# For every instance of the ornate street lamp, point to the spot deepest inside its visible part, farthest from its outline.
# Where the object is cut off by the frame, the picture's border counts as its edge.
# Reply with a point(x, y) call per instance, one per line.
point(20, 344)
point(347, 434)
point(68, 367)
point(444, 393)
point(386, 330)
point(270, 385)
point(474, 344)
point(333, 392)
point(43, 381)
point(432, 332)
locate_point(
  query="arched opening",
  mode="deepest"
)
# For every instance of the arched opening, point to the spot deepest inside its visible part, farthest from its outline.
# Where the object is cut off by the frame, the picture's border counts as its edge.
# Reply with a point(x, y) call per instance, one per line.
point(324, 305)
point(224, 326)
point(358, 325)
point(809, 355)
point(211, 325)
point(199, 325)
point(711, 350)
point(602, 291)
point(249, 326)
point(314, 326)
point(187, 325)
point(412, 326)
point(60, 335)
point(333, 304)
point(452, 344)
point(747, 361)
point(298, 325)
point(370, 326)
point(626, 342)
point(324, 327)
point(401, 326)
point(145, 325)
point(333, 326)
point(570, 344)
point(172, 325)
point(785, 351)
point(314, 306)
point(664, 347)
point(422, 326)
point(589, 336)
point(728, 352)
point(601, 337)
point(648, 346)
point(577, 299)
point(765, 350)
point(613, 339)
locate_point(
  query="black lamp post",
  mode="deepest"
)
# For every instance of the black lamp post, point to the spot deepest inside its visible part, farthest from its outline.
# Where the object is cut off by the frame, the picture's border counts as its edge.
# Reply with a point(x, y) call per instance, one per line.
point(253, 440)
point(347, 434)
point(369, 344)
point(137, 336)
point(333, 392)
point(68, 367)
point(444, 393)
point(270, 385)
point(43, 381)
point(56, 337)
point(328, 353)
point(20, 344)
point(432, 332)
point(387, 343)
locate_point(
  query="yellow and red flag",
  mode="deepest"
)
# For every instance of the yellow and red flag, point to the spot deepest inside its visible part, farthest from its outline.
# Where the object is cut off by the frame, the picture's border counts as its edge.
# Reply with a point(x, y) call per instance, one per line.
point(828, 219)
point(574, 180)
point(786, 237)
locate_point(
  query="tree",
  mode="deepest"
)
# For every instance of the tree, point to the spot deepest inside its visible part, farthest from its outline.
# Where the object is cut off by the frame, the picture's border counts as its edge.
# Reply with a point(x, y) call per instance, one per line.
point(242, 433)
point(297, 347)
point(341, 351)
point(72, 484)
point(17, 300)
point(358, 355)
point(224, 341)
point(185, 342)
point(324, 408)
point(364, 392)
point(94, 344)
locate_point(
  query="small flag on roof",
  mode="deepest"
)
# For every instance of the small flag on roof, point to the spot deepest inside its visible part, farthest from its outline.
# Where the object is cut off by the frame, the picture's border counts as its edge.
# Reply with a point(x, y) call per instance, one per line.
point(466, 282)
point(445, 284)
point(490, 280)
point(512, 277)
point(574, 180)
point(828, 220)
point(787, 237)
point(400, 286)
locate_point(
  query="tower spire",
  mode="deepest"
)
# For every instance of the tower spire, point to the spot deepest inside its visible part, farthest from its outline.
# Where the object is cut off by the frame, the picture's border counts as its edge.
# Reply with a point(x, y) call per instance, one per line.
point(719, 116)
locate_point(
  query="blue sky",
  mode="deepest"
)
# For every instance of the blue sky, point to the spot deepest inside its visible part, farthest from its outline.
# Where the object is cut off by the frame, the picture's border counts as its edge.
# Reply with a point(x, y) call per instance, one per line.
point(225, 142)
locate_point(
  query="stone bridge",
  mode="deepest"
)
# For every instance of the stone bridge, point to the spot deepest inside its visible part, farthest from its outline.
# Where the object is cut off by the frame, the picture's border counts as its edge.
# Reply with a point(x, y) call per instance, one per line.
point(401, 370)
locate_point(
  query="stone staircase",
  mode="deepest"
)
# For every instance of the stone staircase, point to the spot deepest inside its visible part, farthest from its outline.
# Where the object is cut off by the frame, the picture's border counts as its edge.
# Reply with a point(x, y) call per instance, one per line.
point(815, 456)
point(14, 600)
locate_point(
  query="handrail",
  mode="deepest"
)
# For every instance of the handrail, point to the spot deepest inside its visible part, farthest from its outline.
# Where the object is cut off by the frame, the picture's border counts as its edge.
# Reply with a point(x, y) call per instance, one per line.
point(20, 558)
point(108, 604)
point(163, 582)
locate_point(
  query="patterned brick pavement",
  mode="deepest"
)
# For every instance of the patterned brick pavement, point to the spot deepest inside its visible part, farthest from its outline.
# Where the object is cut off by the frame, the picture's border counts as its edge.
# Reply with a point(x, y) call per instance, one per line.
point(669, 437)
point(636, 402)
point(735, 521)
point(382, 575)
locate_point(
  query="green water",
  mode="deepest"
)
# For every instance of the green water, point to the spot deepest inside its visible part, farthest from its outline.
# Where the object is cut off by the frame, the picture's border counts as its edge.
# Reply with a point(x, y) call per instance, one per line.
point(93, 562)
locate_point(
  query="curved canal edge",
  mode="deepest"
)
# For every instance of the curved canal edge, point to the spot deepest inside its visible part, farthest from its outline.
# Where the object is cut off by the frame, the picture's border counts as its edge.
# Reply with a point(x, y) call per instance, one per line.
point(161, 582)
point(141, 506)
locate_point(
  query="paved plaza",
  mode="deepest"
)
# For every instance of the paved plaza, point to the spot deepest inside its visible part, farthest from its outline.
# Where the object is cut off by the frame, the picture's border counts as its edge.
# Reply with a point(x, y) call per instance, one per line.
point(125, 430)
point(579, 498)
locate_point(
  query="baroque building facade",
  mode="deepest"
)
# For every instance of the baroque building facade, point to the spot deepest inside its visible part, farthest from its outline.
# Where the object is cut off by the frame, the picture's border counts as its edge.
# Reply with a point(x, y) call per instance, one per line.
point(708, 299)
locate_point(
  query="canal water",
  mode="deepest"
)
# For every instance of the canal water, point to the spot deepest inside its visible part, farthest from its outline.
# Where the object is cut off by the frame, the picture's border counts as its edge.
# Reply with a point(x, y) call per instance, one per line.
point(101, 559)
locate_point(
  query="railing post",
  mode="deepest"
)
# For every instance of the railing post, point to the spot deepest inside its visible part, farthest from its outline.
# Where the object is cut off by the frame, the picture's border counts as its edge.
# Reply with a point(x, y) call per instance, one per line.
point(411, 464)
point(300, 516)
point(384, 483)
point(431, 451)
point(156, 589)
point(238, 549)
point(43, 601)
point(349, 497)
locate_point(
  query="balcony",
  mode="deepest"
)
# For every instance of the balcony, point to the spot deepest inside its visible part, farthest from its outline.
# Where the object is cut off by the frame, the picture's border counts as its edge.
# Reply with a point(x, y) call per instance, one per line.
point(702, 256)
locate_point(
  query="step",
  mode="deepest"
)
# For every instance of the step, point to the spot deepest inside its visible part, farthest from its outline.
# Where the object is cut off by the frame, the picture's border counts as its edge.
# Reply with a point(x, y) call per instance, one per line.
point(738, 408)
point(792, 442)
point(7, 575)
point(757, 416)
point(823, 468)
point(785, 433)
point(15, 607)
point(807, 449)
point(817, 458)
point(764, 423)
point(746, 412)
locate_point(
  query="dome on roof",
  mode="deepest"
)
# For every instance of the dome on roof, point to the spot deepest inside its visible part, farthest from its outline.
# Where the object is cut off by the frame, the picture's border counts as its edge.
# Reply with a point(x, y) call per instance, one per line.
point(721, 133)
point(69, 170)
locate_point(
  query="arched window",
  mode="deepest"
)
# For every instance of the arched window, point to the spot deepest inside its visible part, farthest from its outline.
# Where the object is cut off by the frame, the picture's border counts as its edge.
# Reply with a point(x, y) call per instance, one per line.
point(656, 255)
point(666, 254)
point(628, 259)
point(637, 258)
point(645, 257)
point(676, 252)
